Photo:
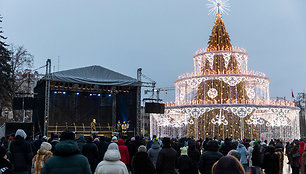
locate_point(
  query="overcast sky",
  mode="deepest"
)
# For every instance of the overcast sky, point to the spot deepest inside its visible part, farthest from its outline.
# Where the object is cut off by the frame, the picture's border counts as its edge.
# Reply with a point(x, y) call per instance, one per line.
point(160, 36)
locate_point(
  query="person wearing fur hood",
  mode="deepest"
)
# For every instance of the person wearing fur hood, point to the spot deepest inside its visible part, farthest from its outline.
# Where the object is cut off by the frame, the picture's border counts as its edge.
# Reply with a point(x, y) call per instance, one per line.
point(41, 157)
point(111, 163)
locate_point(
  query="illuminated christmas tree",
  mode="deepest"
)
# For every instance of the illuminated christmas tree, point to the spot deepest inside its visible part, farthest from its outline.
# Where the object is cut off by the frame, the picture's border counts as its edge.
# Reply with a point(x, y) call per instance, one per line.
point(222, 98)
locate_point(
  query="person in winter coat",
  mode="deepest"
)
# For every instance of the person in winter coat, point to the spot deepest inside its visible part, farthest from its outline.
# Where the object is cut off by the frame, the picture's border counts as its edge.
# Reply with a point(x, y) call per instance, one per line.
point(166, 159)
point(124, 152)
point(154, 151)
point(151, 142)
point(271, 161)
point(67, 158)
point(228, 165)
point(111, 163)
point(294, 158)
point(209, 157)
point(81, 142)
point(132, 147)
point(90, 150)
point(21, 153)
point(257, 156)
point(53, 141)
point(5, 165)
point(102, 147)
point(185, 164)
point(141, 163)
point(244, 156)
point(194, 154)
point(226, 147)
point(41, 157)
point(280, 154)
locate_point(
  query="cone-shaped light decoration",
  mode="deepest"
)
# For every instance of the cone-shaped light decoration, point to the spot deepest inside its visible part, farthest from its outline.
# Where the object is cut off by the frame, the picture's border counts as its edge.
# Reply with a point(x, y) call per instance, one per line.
point(219, 38)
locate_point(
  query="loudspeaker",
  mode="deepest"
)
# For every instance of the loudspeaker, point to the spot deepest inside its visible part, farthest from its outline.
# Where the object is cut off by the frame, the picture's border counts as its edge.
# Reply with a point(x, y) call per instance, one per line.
point(29, 103)
point(158, 108)
point(17, 103)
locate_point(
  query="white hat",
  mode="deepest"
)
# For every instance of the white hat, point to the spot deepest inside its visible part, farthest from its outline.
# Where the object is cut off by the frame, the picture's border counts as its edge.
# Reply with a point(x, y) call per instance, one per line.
point(114, 138)
point(46, 146)
point(21, 133)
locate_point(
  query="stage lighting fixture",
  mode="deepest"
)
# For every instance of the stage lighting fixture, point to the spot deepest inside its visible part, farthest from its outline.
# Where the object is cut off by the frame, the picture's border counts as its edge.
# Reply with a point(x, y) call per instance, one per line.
point(99, 95)
point(109, 95)
point(64, 92)
point(77, 93)
point(90, 94)
point(55, 92)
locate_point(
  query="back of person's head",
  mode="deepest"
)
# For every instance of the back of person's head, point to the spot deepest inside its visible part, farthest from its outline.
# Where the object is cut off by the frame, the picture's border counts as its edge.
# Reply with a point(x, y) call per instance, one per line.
point(191, 145)
point(227, 165)
point(21, 133)
point(166, 142)
point(142, 148)
point(112, 153)
point(67, 135)
point(89, 139)
point(212, 145)
point(46, 146)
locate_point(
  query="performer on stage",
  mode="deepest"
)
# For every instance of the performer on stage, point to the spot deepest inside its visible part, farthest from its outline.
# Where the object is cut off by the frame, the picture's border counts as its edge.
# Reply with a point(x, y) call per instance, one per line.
point(93, 125)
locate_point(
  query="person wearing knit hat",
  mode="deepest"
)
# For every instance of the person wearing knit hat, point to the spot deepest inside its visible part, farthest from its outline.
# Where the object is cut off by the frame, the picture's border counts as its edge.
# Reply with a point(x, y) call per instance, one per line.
point(21, 133)
point(142, 162)
point(21, 152)
point(46, 146)
point(154, 151)
point(114, 139)
point(5, 165)
point(184, 163)
point(41, 157)
point(111, 162)
point(142, 148)
point(67, 157)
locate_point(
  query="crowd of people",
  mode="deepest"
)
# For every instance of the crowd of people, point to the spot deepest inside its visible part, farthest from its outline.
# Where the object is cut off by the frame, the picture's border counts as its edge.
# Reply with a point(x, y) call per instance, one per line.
point(137, 155)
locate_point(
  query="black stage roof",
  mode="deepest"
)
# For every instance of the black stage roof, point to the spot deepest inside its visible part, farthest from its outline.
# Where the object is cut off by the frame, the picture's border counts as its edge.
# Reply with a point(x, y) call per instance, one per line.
point(94, 75)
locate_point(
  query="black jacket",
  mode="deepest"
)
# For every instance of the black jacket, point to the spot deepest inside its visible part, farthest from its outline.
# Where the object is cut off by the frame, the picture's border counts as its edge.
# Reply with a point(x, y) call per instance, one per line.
point(194, 155)
point(207, 160)
point(90, 150)
point(142, 164)
point(226, 147)
point(21, 154)
point(258, 155)
point(271, 161)
point(185, 165)
point(102, 147)
point(166, 161)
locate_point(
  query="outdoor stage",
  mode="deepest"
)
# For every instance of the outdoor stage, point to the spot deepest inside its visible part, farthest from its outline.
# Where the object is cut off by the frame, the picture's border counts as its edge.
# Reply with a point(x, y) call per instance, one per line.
point(79, 96)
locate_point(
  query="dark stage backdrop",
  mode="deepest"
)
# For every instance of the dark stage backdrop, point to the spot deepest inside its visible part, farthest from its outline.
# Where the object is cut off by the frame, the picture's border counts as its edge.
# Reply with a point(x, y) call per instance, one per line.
point(79, 108)
point(72, 107)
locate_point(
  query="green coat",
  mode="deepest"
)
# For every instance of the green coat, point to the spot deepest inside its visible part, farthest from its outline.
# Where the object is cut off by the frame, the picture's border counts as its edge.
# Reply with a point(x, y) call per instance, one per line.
point(66, 160)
